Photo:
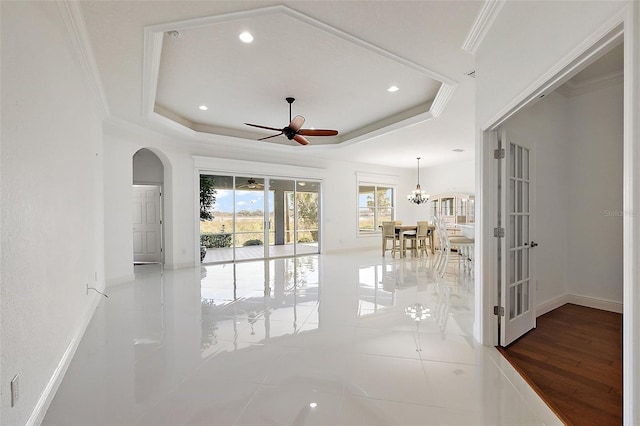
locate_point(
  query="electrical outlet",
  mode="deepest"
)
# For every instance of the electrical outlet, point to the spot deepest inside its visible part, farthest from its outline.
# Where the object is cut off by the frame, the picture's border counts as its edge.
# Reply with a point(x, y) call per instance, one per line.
point(15, 390)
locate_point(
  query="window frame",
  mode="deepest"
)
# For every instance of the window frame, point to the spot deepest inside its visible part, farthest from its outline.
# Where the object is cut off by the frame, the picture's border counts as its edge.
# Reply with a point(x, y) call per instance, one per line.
point(376, 229)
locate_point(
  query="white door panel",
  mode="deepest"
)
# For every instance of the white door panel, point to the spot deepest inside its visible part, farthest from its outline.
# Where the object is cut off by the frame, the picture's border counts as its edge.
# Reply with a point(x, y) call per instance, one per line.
point(517, 284)
point(147, 224)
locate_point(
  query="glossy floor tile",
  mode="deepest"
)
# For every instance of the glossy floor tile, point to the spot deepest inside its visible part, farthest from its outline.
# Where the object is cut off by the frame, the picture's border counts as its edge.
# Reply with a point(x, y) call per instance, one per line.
point(348, 339)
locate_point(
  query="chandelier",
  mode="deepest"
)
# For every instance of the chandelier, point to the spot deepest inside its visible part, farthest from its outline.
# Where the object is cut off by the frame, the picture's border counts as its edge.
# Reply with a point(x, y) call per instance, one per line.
point(417, 312)
point(418, 196)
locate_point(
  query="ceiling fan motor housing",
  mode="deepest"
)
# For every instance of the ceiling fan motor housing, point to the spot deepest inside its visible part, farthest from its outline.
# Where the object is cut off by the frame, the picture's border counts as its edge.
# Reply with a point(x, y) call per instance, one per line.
point(289, 132)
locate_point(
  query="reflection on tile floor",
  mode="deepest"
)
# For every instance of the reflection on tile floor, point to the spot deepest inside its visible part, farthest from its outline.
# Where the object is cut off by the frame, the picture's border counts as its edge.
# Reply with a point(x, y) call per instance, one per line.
point(348, 339)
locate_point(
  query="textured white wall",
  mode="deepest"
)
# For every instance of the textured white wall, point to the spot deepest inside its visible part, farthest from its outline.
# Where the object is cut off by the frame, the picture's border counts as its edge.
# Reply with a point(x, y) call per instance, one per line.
point(51, 236)
point(595, 196)
point(453, 177)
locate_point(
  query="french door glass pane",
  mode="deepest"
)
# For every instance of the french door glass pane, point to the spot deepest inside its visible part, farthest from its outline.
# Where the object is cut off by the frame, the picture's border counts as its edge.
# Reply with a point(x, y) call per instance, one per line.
point(282, 224)
point(307, 217)
point(249, 218)
point(216, 232)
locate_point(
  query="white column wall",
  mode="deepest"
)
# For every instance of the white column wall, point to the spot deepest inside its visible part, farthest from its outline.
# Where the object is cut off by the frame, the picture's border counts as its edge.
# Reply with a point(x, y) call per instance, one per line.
point(51, 234)
point(118, 218)
point(527, 43)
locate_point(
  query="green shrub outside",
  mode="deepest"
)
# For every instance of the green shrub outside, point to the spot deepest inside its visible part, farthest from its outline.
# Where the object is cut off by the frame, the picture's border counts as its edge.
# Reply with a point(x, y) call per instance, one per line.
point(254, 242)
point(211, 240)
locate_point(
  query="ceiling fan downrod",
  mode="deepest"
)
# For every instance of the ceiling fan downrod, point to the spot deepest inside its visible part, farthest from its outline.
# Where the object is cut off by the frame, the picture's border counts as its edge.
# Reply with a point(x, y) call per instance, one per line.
point(290, 100)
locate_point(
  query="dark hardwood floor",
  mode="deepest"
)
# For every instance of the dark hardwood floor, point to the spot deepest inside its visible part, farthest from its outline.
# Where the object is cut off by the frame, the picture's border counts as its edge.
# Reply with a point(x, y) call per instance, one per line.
point(573, 359)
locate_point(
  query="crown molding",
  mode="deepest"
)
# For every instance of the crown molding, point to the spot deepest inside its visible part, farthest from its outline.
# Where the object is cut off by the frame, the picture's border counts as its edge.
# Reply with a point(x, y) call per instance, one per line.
point(487, 15)
point(79, 37)
point(442, 98)
point(570, 89)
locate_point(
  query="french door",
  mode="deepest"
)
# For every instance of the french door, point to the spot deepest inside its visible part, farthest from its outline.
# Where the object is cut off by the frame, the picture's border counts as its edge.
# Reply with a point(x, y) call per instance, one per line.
point(255, 218)
point(517, 288)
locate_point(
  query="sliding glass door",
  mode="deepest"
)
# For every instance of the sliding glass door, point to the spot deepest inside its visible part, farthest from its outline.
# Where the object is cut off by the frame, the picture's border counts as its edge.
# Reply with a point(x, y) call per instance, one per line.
point(254, 218)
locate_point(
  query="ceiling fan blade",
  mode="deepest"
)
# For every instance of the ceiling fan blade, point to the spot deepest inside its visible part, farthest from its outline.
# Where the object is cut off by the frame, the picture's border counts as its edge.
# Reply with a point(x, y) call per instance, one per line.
point(296, 123)
point(301, 140)
point(263, 127)
point(317, 132)
point(269, 137)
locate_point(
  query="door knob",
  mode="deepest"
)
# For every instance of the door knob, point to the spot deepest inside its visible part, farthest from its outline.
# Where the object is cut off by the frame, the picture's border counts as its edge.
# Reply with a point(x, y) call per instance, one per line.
point(534, 244)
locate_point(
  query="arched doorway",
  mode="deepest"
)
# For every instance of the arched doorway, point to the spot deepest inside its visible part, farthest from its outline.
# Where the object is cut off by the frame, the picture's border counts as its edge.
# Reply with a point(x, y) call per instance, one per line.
point(148, 181)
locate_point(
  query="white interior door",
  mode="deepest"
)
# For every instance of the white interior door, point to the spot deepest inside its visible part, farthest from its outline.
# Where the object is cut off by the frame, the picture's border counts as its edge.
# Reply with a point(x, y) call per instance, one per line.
point(517, 292)
point(147, 224)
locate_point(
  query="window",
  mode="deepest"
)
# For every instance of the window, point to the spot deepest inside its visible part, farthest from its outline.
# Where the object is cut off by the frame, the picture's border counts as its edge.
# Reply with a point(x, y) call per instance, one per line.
point(375, 205)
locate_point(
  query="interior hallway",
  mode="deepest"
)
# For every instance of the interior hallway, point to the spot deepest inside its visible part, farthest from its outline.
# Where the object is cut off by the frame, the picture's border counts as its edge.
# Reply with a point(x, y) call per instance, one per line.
point(330, 340)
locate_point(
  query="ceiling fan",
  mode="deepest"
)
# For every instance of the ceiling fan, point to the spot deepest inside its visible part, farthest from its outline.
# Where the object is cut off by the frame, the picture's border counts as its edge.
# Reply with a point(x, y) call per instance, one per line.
point(252, 184)
point(294, 130)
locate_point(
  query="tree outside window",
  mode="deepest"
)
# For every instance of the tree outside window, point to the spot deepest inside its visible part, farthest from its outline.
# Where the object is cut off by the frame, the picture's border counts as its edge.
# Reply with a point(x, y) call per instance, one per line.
point(375, 205)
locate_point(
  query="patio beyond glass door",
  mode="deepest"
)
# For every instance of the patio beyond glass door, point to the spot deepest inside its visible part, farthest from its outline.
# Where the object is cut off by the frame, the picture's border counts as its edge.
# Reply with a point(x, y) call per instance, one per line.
point(249, 218)
point(256, 218)
point(294, 217)
point(307, 216)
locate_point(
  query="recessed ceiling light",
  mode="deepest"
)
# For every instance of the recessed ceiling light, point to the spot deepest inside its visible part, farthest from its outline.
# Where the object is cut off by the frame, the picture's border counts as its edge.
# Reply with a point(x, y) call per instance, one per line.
point(313, 404)
point(246, 37)
point(203, 107)
point(392, 89)
point(458, 150)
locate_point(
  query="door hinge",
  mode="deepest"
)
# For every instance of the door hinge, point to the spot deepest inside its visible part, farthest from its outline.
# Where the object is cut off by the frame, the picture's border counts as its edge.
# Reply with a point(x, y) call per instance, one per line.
point(498, 153)
point(498, 232)
point(498, 310)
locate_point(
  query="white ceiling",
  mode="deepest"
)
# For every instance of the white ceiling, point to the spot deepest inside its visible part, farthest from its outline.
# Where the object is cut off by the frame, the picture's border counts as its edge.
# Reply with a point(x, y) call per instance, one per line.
point(337, 59)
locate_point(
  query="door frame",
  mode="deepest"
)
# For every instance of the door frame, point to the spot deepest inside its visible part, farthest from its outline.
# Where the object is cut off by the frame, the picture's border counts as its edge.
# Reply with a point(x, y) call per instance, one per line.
point(486, 247)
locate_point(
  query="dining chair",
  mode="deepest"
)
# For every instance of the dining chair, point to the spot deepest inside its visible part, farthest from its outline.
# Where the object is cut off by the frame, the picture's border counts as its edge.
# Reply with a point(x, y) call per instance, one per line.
point(418, 239)
point(389, 234)
point(422, 236)
point(464, 247)
point(444, 245)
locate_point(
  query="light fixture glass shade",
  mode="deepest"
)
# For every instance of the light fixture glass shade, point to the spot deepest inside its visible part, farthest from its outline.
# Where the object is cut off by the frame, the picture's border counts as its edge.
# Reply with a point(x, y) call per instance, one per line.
point(418, 196)
point(417, 312)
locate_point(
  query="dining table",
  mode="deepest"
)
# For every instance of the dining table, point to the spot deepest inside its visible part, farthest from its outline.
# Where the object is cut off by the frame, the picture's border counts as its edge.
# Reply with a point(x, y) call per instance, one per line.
point(401, 230)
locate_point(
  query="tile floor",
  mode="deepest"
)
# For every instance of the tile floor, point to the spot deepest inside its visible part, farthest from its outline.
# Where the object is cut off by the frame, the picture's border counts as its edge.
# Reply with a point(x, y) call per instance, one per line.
point(315, 340)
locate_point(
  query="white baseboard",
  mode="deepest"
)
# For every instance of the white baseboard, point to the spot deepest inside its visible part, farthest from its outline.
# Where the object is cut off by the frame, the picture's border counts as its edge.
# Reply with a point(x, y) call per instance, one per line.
point(589, 302)
point(552, 304)
point(40, 410)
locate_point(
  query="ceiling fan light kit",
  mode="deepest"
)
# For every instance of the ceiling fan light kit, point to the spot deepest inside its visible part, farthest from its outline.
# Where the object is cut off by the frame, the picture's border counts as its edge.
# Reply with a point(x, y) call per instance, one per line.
point(418, 196)
point(294, 130)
